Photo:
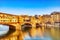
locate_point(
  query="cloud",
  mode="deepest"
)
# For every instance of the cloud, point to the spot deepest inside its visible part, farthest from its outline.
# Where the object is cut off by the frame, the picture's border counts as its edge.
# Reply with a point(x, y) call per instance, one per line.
point(29, 11)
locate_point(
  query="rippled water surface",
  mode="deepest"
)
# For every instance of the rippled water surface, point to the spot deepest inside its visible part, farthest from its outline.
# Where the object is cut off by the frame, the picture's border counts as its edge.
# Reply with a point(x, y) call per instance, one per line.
point(49, 34)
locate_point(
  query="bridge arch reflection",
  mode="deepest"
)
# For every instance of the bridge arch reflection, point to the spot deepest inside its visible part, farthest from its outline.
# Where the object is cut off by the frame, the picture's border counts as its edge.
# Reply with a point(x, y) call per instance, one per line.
point(3, 30)
point(26, 27)
point(11, 29)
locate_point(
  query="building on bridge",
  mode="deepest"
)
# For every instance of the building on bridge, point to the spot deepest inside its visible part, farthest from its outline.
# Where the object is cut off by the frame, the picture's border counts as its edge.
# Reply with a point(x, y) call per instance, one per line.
point(22, 22)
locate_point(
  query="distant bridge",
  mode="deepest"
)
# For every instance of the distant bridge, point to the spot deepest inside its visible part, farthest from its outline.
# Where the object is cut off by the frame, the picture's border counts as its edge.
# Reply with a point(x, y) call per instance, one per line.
point(16, 25)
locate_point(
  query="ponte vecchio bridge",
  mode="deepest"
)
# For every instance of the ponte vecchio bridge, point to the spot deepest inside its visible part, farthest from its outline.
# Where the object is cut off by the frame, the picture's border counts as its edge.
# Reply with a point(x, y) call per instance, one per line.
point(18, 24)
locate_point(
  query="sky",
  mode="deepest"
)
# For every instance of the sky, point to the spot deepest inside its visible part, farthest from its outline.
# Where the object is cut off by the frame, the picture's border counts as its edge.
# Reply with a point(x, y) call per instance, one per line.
point(29, 7)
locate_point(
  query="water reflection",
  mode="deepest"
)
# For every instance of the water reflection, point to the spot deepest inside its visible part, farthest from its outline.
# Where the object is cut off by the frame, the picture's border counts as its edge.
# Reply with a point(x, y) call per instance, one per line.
point(36, 34)
point(48, 34)
point(37, 37)
point(3, 30)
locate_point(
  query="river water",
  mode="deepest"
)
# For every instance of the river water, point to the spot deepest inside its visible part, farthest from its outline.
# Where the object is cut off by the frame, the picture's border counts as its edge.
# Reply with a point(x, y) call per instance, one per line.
point(49, 34)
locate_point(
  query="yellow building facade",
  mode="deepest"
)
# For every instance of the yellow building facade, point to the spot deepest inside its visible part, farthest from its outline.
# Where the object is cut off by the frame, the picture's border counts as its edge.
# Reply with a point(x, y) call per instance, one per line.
point(19, 22)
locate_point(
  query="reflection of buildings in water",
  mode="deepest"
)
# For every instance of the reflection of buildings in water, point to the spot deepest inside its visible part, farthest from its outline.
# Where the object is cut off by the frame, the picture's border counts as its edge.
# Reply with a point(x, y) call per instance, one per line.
point(39, 32)
point(38, 36)
point(3, 30)
point(45, 20)
point(32, 32)
point(35, 32)
point(54, 33)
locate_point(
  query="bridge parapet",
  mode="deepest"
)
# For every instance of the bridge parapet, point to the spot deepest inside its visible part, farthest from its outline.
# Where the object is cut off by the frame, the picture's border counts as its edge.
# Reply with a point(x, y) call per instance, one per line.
point(17, 21)
point(8, 18)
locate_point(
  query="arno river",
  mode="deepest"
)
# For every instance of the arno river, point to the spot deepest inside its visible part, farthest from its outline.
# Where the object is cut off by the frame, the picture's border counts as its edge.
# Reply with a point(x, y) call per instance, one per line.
point(47, 34)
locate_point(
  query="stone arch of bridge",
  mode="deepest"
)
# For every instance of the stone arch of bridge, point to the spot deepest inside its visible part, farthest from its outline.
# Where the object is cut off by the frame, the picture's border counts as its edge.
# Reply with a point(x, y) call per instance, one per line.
point(26, 26)
point(12, 29)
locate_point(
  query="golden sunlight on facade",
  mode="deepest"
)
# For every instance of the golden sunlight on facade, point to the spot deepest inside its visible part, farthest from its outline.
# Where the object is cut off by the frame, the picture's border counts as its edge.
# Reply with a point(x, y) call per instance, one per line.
point(21, 25)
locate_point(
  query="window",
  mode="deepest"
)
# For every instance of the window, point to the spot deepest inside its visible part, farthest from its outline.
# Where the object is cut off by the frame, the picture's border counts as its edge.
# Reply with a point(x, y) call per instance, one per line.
point(13, 20)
